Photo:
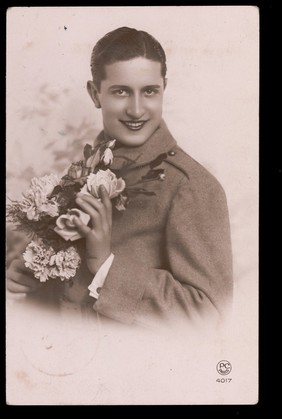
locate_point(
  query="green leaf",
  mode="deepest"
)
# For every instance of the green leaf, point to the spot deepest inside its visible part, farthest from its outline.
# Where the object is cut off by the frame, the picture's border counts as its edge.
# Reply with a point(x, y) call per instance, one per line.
point(137, 191)
point(153, 174)
point(158, 160)
point(87, 151)
point(94, 161)
point(56, 190)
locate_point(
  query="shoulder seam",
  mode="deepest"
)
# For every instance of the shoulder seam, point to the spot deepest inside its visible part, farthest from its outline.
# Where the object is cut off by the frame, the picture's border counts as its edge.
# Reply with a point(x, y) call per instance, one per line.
point(177, 167)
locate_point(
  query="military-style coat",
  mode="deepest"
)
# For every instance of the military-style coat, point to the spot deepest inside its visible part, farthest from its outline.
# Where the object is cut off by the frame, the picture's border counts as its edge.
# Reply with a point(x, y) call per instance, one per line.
point(172, 250)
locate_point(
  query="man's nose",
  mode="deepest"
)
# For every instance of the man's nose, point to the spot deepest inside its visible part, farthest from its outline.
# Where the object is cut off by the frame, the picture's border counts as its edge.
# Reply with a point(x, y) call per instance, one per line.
point(135, 108)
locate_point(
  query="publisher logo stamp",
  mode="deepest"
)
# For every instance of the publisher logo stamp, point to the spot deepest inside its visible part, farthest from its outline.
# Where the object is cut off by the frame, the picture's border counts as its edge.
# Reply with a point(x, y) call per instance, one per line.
point(224, 367)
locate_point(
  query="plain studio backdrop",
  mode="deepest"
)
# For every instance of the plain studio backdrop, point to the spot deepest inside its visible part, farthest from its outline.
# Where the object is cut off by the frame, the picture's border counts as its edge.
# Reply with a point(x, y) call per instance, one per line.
point(210, 106)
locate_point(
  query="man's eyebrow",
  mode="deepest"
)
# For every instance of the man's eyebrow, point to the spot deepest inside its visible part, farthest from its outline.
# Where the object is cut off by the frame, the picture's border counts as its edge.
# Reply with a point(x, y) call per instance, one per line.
point(121, 86)
point(152, 86)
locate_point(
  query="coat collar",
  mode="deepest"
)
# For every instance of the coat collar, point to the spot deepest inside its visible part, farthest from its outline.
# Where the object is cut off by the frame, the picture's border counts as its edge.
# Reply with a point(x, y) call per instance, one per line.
point(160, 142)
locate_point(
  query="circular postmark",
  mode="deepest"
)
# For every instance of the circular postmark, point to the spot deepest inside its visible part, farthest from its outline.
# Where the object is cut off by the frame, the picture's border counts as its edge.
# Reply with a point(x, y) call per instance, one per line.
point(224, 367)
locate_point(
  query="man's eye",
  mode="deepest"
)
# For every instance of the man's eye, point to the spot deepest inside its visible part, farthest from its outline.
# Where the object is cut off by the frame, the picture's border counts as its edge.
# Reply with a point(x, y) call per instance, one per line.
point(150, 92)
point(121, 92)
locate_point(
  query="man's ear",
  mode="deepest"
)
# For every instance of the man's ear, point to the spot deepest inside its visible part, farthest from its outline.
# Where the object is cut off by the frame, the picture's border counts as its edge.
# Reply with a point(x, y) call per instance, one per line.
point(93, 93)
point(165, 83)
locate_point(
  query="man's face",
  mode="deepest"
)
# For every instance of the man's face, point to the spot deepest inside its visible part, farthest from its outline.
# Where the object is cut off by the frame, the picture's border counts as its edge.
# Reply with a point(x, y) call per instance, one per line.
point(131, 98)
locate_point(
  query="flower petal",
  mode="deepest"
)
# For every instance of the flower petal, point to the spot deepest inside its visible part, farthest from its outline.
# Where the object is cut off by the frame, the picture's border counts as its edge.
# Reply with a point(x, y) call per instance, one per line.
point(65, 221)
point(68, 234)
point(106, 178)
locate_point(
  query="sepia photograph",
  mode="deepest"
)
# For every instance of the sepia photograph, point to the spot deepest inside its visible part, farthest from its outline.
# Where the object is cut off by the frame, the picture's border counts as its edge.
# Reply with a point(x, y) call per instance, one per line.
point(132, 205)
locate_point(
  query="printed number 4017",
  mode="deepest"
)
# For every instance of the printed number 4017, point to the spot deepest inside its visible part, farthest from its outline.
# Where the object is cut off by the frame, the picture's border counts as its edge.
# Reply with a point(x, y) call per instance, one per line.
point(224, 380)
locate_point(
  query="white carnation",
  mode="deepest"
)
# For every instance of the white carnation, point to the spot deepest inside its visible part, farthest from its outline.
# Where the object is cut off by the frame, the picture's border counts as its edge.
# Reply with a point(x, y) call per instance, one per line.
point(46, 263)
point(36, 202)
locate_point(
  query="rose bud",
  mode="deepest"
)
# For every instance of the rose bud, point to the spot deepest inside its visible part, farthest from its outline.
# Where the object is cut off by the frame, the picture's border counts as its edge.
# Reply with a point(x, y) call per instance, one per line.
point(75, 171)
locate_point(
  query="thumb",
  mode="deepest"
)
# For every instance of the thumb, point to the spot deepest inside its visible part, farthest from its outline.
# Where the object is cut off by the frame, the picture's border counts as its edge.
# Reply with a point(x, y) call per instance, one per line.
point(81, 228)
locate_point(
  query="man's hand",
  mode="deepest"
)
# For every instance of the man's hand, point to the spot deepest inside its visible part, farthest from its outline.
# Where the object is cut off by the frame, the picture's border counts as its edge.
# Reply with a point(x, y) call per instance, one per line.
point(20, 280)
point(98, 236)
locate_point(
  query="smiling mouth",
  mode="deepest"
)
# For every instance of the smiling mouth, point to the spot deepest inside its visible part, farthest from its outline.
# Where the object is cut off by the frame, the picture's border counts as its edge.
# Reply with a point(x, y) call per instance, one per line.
point(134, 126)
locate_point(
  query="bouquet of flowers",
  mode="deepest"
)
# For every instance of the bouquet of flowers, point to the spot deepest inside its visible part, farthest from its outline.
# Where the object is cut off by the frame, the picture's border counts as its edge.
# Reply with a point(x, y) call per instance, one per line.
point(47, 208)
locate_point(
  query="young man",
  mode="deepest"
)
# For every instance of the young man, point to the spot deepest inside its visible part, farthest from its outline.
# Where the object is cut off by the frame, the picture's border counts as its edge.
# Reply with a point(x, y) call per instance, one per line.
point(167, 257)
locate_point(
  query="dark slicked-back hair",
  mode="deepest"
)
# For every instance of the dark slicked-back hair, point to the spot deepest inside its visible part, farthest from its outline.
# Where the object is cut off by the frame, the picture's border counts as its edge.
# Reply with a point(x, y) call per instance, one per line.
point(124, 44)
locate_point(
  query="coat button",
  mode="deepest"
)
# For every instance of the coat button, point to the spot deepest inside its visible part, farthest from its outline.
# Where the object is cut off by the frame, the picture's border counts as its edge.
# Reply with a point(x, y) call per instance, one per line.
point(171, 153)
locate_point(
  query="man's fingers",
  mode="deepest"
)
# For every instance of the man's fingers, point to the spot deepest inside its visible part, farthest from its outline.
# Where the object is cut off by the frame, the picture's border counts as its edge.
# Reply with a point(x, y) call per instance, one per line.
point(15, 287)
point(100, 211)
point(81, 228)
point(93, 207)
point(15, 295)
point(105, 199)
point(20, 279)
point(23, 279)
point(19, 266)
point(107, 203)
point(89, 204)
point(93, 202)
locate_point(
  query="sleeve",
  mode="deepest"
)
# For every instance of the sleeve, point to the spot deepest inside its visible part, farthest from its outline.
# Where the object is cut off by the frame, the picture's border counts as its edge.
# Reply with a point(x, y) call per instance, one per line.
point(100, 277)
point(196, 282)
